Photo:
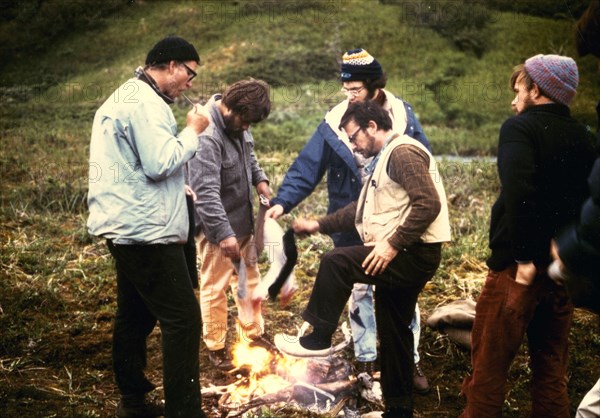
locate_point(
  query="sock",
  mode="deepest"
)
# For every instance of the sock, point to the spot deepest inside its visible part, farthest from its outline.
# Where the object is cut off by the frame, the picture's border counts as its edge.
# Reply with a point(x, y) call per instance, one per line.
point(317, 340)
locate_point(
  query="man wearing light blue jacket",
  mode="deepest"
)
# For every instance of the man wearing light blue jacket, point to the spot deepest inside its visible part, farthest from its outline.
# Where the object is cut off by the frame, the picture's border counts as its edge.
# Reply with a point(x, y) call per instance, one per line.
point(329, 150)
point(137, 203)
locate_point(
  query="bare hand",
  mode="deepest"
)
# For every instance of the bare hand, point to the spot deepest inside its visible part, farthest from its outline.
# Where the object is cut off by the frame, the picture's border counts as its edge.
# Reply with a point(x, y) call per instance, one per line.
point(554, 250)
point(379, 258)
point(557, 270)
point(263, 188)
point(274, 212)
point(230, 248)
point(305, 226)
point(526, 273)
point(190, 192)
point(198, 119)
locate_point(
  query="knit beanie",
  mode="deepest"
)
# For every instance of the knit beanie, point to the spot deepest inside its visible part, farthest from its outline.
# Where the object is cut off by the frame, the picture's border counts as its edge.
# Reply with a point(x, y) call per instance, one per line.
point(359, 65)
point(555, 75)
point(172, 48)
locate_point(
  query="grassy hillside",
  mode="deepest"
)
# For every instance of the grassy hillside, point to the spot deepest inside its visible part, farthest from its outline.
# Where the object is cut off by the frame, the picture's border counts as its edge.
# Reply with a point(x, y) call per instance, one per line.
point(451, 60)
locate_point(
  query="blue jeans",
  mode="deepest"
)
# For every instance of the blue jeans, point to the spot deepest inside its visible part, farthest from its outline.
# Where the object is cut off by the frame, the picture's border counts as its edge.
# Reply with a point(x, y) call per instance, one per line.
point(364, 329)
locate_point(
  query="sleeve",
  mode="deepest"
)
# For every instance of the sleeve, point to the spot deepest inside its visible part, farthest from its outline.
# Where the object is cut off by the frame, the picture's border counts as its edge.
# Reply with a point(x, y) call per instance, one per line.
point(516, 169)
point(304, 174)
point(409, 167)
point(161, 153)
point(414, 128)
point(205, 179)
point(341, 220)
point(258, 175)
point(579, 245)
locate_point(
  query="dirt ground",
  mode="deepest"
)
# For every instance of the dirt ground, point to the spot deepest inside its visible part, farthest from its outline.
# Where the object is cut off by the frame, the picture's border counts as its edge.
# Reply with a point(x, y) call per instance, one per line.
point(67, 373)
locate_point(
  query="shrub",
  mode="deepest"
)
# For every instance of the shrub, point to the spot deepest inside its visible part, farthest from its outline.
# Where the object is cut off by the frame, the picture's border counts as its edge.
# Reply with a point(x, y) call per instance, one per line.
point(557, 9)
point(462, 23)
point(33, 25)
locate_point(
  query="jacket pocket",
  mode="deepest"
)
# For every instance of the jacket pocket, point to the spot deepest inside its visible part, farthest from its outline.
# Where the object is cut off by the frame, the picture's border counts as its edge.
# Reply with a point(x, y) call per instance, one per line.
point(231, 172)
point(153, 204)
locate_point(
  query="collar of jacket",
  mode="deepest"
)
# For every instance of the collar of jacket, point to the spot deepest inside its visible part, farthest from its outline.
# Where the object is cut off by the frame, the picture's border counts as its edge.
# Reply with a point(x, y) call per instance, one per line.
point(217, 117)
point(141, 74)
point(393, 104)
point(330, 137)
point(556, 108)
point(215, 113)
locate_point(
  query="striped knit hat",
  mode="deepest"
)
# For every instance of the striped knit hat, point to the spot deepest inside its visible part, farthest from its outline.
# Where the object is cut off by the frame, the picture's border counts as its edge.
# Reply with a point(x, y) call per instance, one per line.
point(555, 75)
point(359, 65)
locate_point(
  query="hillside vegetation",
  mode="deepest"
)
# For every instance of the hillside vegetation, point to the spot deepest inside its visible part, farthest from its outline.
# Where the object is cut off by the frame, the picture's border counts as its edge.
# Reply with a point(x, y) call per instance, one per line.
point(61, 59)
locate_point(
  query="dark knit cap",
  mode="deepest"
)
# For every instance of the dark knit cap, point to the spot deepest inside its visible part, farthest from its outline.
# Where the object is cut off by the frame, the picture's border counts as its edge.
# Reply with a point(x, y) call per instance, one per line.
point(172, 48)
point(555, 75)
point(359, 65)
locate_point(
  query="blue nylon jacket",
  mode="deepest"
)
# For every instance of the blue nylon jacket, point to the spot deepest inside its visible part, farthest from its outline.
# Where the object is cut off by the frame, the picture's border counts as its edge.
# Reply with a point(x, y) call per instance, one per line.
point(326, 152)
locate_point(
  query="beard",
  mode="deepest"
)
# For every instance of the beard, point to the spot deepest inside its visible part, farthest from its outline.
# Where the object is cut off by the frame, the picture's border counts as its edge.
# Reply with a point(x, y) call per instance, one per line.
point(230, 126)
point(369, 150)
point(526, 103)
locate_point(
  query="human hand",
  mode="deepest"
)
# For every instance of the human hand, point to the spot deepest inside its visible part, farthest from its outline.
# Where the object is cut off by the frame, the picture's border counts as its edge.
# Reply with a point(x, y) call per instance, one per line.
point(198, 118)
point(526, 273)
point(230, 248)
point(190, 192)
point(557, 270)
point(379, 258)
point(305, 226)
point(274, 212)
point(263, 188)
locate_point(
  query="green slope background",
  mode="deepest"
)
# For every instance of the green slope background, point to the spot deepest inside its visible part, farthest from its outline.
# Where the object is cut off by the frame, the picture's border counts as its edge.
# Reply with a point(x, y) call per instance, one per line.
point(59, 60)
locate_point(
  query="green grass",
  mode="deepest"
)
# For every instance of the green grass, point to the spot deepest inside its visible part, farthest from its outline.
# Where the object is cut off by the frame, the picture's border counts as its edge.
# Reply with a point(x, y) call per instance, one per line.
point(57, 282)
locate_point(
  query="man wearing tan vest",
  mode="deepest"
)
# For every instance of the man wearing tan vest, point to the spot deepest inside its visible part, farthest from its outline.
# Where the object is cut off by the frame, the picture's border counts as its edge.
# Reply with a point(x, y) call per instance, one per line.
point(402, 217)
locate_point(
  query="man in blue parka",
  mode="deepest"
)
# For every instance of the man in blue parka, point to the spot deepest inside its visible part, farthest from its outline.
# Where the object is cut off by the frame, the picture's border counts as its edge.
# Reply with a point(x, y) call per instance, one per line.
point(329, 150)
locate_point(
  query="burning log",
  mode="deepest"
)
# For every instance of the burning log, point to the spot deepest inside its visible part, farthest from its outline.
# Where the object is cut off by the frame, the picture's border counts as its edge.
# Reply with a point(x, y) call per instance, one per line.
point(214, 391)
point(282, 395)
point(338, 388)
point(303, 393)
point(320, 384)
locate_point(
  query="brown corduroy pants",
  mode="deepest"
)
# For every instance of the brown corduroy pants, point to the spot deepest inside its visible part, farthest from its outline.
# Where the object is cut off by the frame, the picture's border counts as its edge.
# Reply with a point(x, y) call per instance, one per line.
point(505, 312)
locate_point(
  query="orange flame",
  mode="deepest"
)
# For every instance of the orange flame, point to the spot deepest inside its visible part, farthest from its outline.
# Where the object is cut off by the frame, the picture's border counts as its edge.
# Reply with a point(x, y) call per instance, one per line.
point(268, 372)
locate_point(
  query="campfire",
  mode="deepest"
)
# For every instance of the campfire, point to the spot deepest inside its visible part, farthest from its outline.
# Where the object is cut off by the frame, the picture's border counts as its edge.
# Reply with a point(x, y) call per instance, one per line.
point(268, 378)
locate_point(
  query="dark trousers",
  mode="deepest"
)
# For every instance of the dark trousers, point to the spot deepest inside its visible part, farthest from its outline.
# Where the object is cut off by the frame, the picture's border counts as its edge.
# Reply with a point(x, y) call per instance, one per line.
point(153, 285)
point(505, 312)
point(396, 293)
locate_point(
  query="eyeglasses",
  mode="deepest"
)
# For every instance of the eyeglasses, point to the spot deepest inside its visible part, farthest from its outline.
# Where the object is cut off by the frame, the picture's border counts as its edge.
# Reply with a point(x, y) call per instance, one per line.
point(191, 73)
point(353, 91)
point(352, 137)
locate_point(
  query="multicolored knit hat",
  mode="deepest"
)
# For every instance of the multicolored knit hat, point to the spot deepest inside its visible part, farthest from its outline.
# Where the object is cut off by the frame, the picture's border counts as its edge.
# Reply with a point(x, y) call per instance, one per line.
point(555, 75)
point(359, 65)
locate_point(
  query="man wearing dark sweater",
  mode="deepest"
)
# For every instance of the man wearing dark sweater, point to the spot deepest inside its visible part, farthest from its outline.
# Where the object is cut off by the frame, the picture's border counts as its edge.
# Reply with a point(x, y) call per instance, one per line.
point(402, 217)
point(544, 158)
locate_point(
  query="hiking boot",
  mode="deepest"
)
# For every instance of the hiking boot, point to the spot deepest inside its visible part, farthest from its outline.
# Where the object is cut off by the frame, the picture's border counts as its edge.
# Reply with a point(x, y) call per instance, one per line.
point(137, 406)
point(420, 384)
point(365, 367)
point(221, 359)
